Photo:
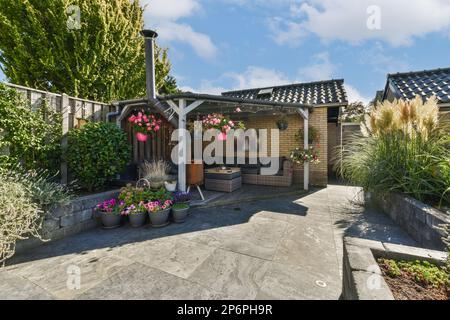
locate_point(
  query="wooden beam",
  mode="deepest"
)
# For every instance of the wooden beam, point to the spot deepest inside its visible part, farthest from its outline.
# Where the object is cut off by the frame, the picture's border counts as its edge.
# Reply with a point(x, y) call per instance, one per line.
point(193, 106)
point(174, 106)
point(182, 146)
point(304, 113)
point(306, 146)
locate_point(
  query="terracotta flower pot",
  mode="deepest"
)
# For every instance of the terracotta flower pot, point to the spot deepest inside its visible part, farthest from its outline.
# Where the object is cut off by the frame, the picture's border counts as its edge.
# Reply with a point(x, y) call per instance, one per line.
point(160, 218)
point(141, 137)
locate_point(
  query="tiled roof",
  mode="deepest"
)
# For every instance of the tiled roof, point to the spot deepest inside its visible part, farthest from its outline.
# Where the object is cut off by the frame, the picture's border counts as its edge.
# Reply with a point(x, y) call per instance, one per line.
point(424, 83)
point(315, 93)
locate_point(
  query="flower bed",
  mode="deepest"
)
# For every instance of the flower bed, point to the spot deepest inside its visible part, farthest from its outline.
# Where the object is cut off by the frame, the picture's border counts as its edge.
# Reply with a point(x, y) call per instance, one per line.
point(416, 280)
point(363, 278)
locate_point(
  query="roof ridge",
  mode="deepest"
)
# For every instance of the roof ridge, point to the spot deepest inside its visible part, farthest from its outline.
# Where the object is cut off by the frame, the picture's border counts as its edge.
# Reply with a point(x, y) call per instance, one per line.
point(417, 72)
point(286, 85)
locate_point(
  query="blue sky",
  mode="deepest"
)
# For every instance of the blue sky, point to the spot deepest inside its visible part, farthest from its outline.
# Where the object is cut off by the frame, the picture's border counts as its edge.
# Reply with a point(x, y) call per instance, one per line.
point(218, 45)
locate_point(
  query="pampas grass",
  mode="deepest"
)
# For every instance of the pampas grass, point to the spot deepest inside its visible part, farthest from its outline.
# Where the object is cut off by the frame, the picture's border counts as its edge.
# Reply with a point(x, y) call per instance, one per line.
point(403, 148)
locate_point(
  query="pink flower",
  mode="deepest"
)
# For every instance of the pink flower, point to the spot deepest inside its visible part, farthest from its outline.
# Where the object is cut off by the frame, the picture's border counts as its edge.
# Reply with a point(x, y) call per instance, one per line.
point(157, 128)
point(238, 109)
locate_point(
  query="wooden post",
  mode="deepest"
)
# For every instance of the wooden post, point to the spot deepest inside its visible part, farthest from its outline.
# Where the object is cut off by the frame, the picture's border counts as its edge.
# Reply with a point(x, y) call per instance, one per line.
point(65, 111)
point(182, 143)
point(306, 142)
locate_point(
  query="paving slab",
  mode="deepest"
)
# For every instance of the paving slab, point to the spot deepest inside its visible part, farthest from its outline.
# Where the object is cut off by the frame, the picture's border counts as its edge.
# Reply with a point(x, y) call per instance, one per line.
point(236, 275)
point(139, 282)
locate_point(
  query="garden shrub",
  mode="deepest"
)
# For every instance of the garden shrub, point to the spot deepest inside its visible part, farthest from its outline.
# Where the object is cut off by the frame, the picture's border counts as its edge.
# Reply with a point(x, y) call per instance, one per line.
point(29, 137)
point(96, 153)
point(24, 199)
point(403, 149)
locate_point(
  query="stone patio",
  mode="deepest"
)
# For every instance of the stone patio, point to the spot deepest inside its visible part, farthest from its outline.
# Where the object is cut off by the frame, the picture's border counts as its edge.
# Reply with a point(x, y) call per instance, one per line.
point(288, 247)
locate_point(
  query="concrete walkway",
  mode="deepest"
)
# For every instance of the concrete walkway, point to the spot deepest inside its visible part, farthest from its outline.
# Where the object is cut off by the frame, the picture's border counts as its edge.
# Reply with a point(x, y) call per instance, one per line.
point(284, 248)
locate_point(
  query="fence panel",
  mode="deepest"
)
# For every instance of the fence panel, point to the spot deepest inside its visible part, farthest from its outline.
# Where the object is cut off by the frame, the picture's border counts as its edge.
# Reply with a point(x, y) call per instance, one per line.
point(74, 112)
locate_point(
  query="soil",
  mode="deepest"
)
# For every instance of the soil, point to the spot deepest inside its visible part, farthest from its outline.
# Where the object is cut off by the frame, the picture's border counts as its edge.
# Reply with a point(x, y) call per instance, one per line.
point(406, 288)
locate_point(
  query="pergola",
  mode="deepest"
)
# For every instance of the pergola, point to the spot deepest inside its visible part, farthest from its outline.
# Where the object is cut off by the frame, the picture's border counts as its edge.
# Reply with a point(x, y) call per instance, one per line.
point(178, 107)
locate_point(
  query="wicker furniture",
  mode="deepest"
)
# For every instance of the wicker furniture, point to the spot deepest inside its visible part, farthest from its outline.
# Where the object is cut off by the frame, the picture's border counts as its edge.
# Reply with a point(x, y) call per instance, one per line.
point(283, 179)
point(224, 180)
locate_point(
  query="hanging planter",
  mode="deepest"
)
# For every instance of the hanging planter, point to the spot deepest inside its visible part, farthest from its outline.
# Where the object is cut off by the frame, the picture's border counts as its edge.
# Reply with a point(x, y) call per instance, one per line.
point(222, 123)
point(282, 124)
point(144, 124)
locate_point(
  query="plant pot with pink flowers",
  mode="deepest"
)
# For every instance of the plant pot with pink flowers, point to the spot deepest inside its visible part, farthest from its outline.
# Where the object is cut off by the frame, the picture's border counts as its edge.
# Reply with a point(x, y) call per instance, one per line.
point(137, 214)
point(159, 212)
point(221, 123)
point(144, 124)
point(111, 213)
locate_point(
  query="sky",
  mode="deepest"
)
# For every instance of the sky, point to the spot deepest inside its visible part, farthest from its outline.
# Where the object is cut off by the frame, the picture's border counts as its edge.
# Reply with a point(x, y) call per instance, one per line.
point(220, 45)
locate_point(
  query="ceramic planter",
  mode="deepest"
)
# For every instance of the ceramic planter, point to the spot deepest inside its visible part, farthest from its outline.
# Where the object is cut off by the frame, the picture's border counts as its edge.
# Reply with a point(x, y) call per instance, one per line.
point(142, 137)
point(171, 187)
point(137, 220)
point(111, 221)
point(160, 218)
point(179, 215)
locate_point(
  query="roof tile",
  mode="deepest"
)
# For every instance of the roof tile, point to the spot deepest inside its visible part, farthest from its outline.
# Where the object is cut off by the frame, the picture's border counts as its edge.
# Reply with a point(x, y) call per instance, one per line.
point(317, 93)
point(425, 83)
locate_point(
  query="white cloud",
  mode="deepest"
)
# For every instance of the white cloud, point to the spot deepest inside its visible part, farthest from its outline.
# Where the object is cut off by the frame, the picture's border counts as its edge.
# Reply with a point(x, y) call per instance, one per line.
point(354, 95)
point(201, 43)
point(346, 20)
point(170, 9)
point(163, 15)
point(321, 69)
point(255, 77)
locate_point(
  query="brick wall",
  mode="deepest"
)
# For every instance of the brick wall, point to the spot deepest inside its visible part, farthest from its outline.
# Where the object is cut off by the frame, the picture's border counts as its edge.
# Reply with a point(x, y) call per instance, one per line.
point(287, 142)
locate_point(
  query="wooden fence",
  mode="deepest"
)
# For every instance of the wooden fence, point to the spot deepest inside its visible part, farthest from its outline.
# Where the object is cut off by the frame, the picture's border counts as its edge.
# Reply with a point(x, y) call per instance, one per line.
point(75, 112)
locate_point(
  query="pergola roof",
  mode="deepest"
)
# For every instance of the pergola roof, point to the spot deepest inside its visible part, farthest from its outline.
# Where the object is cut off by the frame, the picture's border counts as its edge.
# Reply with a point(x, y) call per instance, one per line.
point(232, 100)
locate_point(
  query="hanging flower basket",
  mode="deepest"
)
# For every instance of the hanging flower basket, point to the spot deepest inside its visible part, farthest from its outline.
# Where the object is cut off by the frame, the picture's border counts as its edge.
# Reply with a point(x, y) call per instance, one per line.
point(300, 155)
point(222, 123)
point(144, 124)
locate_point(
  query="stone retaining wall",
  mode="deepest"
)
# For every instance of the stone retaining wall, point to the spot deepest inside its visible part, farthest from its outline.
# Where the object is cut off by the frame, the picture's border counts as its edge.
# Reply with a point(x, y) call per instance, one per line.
point(419, 220)
point(68, 220)
point(362, 277)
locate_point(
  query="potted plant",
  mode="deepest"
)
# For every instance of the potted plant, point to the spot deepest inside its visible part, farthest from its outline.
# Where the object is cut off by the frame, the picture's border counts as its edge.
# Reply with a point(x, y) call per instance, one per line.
point(300, 155)
point(182, 198)
point(313, 135)
point(156, 173)
point(171, 185)
point(159, 212)
point(110, 211)
point(144, 124)
point(136, 214)
point(180, 212)
point(282, 124)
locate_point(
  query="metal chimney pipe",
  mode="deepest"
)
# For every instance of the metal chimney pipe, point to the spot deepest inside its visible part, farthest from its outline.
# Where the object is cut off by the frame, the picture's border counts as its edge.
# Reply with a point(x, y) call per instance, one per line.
point(150, 37)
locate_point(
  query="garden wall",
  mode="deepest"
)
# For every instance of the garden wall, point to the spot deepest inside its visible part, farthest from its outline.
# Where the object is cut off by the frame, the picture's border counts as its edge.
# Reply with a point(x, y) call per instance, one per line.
point(68, 220)
point(419, 220)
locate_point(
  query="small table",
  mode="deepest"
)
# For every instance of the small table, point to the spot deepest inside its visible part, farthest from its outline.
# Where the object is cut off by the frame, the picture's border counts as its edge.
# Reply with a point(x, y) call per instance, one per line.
point(224, 180)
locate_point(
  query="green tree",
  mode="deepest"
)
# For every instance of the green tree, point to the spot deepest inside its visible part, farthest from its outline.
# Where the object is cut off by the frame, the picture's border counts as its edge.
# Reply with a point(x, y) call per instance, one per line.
point(100, 56)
